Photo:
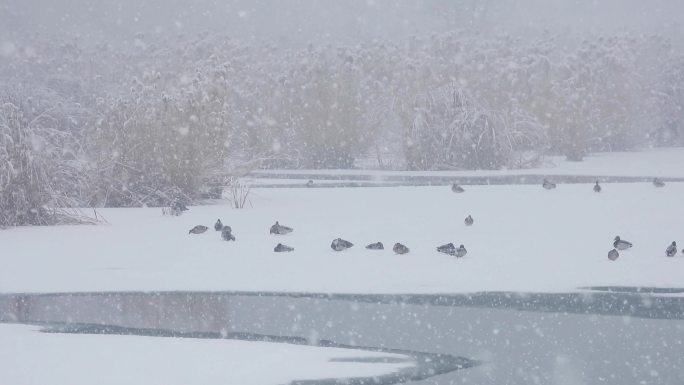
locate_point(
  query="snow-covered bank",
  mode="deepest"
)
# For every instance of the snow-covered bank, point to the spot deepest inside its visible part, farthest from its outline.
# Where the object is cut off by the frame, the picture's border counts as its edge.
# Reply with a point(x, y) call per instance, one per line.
point(660, 162)
point(524, 239)
point(28, 357)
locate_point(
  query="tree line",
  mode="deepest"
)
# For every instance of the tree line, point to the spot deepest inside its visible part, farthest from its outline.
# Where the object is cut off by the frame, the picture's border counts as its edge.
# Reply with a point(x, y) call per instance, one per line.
point(151, 120)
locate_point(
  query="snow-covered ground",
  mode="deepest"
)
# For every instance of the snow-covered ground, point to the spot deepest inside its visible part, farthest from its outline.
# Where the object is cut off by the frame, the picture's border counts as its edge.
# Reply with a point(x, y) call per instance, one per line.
point(28, 357)
point(524, 239)
point(660, 162)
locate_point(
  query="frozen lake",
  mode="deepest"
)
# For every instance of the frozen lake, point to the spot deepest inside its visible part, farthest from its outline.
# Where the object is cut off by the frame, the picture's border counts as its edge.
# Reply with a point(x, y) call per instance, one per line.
point(606, 335)
point(535, 301)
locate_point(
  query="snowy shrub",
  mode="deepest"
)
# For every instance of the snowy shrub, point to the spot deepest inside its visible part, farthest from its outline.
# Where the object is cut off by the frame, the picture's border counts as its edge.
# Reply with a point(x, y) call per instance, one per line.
point(238, 192)
point(150, 152)
point(327, 104)
point(452, 129)
point(38, 177)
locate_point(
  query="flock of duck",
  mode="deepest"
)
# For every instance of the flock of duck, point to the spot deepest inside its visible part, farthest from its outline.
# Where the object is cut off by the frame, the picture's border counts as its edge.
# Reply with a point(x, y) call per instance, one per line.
point(337, 244)
point(618, 244)
point(340, 244)
point(621, 244)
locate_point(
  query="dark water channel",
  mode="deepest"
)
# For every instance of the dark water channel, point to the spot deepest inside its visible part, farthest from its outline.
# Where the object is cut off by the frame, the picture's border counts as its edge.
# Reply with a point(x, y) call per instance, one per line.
point(600, 336)
point(360, 180)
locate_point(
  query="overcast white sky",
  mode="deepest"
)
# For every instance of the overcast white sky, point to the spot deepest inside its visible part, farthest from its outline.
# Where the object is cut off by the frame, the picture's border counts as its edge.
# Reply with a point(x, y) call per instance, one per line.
point(301, 21)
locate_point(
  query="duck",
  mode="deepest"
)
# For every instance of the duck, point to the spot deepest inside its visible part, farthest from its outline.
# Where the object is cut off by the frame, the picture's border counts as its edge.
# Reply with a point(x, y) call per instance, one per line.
point(400, 249)
point(469, 221)
point(548, 185)
point(658, 183)
point(621, 244)
point(597, 187)
point(613, 254)
point(340, 244)
point(461, 251)
point(449, 248)
point(280, 248)
point(277, 228)
point(310, 183)
point(218, 226)
point(227, 234)
point(457, 189)
point(376, 246)
point(671, 250)
point(199, 229)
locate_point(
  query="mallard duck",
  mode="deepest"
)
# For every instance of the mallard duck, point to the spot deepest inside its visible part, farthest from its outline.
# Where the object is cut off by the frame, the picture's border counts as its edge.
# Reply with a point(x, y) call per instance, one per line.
point(621, 244)
point(461, 251)
point(548, 185)
point(597, 187)
point(340, 244)
point(658, 183)
point(457, 189)
point(376, 246)
point(199, 229)
point(469, 221)
point(400, 249)
point(227, 234)
point(218, 225)
point(280, 248)
point(449, 248)
point(277, 228)
point(613, 254)
point(671, 250)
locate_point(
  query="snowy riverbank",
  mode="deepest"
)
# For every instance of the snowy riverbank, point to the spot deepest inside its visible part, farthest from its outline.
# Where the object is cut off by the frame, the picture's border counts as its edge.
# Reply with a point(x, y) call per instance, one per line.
point(120, 359)
point(524, 239)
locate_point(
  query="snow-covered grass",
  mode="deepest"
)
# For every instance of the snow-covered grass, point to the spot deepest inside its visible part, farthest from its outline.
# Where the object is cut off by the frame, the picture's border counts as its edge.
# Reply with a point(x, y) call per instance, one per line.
point(524, 239)
point(28, 357)
point(661, 162)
